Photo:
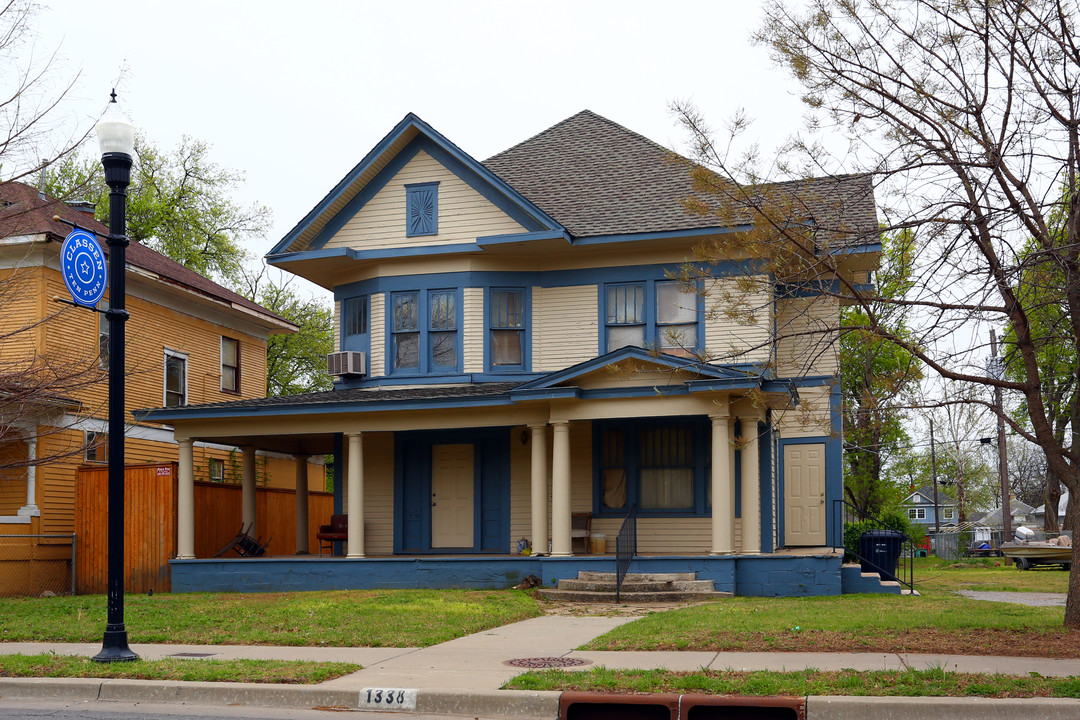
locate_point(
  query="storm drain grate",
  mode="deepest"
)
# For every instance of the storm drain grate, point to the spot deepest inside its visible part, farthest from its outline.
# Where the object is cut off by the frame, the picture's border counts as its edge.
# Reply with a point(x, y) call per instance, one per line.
point(193, 655)
point(547, 662)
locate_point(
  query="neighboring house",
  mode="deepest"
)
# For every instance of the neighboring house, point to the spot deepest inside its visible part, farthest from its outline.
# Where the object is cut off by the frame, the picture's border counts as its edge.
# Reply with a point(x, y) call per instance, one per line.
point(515, 354)
point(1038, 515)
point(919, 507)
point(1020, 511)
point(189, 340)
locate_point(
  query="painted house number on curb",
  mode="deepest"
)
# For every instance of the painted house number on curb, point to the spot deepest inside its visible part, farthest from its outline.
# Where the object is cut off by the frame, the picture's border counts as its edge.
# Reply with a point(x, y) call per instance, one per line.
point(388, 699)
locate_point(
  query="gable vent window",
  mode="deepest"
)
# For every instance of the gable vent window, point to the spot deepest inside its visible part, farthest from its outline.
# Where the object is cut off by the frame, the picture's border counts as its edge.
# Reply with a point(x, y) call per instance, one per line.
point(422, 209)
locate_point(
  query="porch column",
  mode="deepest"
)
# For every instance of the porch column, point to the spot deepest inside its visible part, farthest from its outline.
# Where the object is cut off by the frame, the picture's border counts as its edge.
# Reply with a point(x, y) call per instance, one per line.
point(247, 501)
point(539, 489)
point(560, 489)
point(301, 505)
point(721, 482)
point(751, 485)
point(185, 501)
point(356, 495)
point(30, 509)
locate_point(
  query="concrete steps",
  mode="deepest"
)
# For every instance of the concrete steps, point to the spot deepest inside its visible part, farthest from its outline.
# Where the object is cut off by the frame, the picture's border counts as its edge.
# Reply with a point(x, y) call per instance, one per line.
point(854, 580)
point(597, 587)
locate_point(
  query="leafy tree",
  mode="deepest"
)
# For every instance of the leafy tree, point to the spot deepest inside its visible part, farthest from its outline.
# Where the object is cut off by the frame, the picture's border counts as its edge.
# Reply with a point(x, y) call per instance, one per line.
point(965, 115)
point(179, 203)
point(876, 375)
point(295, 363)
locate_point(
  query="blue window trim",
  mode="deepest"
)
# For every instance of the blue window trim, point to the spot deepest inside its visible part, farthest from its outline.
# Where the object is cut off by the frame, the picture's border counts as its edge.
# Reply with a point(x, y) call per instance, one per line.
point(701, 433)
point(416, 193)
point(425, 367)
point(526, 336)
point(652, 333)
point(360, 341)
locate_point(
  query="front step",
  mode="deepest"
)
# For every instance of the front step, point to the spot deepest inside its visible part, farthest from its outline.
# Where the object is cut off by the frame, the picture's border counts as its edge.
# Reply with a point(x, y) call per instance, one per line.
point(598, 587)
point(854, 580)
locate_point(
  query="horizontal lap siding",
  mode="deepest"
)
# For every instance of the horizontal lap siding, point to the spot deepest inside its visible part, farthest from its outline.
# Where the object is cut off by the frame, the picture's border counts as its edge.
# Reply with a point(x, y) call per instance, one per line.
point(806, 336)
point(378, 335)
point(12, 479)
point(473, 330)
point(463, 214)
point(566, 326)
point(738, 321)
point(812, 417)
point(378, 493)
point(21, 291)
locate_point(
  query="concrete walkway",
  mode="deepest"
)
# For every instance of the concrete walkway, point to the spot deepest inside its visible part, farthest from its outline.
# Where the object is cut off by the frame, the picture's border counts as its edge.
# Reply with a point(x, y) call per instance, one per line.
point(463, 676)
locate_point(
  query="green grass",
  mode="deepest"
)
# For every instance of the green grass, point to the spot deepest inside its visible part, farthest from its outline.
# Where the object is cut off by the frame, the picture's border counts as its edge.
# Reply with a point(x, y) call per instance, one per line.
point(907, 683)
point(990, 574)
point(345, 618)
point(937, 621)
point(249, 671)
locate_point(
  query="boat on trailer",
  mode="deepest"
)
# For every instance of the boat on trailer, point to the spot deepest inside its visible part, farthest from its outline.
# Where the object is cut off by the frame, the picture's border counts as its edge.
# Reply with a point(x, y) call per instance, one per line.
point(1026, 552)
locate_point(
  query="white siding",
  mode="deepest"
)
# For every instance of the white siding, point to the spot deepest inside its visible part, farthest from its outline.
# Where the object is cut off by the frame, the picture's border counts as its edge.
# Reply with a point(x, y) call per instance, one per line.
point(337, 325)
point(472, 316)
point(565, 326)
point(378, 335)
point(378, 493)
point(806, 337)
point(463, 213)
point(738, 315)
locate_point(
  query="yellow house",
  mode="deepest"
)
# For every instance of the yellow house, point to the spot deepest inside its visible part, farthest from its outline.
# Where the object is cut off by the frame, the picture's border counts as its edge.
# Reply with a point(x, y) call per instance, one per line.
point(517, 366)
point(189, 340)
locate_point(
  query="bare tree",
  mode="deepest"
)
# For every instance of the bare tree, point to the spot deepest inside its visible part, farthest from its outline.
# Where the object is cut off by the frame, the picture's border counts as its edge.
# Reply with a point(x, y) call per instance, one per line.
point(967, 117)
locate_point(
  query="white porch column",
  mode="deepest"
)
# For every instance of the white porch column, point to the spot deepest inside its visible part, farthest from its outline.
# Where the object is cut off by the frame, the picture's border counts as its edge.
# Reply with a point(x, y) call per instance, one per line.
point(721, 482)
point(185, 501)
point(301, 504)
point(751, 485)
point(560, 490)
point(247, 501)
point(30, 509)
point(355, 481)
point(539, 489)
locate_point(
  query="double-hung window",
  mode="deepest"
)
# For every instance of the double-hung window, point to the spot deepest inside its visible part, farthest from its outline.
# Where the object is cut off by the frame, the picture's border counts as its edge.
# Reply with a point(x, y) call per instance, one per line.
point(660, 466)
point(175, 379)
point(655, 314)
point(230, 365)
point(354, 323)
point(97, 446)
point(916, 513)
point(506, 328)
point(425, 331)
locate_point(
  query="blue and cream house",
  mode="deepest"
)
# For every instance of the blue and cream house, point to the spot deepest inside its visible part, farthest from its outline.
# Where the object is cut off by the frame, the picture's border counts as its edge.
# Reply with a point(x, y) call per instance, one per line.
point(514, 350)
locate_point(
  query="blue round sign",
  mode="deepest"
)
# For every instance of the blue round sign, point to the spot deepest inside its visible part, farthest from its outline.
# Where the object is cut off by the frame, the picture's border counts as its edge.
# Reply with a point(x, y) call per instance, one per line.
point(83, 266)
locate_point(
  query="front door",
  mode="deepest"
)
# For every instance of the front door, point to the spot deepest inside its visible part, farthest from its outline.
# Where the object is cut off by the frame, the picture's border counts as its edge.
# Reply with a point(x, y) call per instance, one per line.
point(804, 495)
point(452, 490)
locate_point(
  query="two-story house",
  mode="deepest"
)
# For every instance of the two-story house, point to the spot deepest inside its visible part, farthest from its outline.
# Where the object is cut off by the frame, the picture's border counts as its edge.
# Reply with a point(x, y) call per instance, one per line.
point(516, 352)
point(189, 340)
point(920, 509)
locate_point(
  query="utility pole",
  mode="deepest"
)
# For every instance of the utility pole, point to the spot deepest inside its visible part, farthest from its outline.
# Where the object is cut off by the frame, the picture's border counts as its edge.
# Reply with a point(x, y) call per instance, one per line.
point(997, 371)
point(933, 475)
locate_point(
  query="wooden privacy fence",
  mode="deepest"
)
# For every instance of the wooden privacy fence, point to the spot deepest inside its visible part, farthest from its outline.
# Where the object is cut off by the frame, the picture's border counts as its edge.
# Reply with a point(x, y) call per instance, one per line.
point(150, 523)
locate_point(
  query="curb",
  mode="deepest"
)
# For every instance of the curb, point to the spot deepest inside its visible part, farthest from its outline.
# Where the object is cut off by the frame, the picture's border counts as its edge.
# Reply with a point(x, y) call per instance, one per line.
point(933, 708)
point(491, 703)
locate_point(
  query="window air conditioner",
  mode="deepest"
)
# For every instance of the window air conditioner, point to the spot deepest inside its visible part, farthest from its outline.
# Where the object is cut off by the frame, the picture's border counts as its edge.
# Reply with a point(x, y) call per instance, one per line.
point(346, 363)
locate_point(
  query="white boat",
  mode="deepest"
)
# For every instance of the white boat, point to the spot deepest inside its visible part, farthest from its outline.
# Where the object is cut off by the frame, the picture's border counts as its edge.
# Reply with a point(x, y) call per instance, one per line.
point(1029, 553)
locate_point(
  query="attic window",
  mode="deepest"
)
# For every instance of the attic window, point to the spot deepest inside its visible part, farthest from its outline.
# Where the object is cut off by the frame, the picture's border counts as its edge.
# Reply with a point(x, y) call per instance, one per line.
point(422, 209)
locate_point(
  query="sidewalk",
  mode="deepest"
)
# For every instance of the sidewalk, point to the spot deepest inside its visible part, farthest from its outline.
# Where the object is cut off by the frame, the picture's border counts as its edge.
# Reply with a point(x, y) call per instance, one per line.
point(463, 676)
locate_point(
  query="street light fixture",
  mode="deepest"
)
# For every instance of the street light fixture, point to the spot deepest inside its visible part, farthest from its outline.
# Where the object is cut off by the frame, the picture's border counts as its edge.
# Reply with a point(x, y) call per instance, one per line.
point(116, 138)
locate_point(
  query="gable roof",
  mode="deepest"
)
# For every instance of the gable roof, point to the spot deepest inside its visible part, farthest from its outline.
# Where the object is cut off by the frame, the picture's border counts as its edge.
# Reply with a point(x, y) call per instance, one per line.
point(598, 178)
point(927, 491)
point(379, 158)
point(23, 211)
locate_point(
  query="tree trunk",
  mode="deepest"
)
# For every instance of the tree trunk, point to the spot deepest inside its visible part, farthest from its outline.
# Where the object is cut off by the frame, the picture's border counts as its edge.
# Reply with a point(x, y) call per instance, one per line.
point(1052, 497)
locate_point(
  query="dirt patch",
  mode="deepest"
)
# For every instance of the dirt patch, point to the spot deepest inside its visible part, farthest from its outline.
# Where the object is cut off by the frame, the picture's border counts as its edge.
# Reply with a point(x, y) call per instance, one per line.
point(609, 609)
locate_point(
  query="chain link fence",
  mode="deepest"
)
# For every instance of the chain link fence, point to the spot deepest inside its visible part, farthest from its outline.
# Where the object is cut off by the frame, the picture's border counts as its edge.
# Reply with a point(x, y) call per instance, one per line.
point(36, 565)
point(974, 542)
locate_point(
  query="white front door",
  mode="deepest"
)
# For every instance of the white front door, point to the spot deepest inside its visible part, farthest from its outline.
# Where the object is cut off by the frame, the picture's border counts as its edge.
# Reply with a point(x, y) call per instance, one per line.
point(804, 495)
point(452, 481)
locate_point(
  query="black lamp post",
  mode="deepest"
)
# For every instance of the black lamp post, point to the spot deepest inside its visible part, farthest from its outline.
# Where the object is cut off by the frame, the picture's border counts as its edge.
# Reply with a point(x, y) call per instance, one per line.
point(116, 138)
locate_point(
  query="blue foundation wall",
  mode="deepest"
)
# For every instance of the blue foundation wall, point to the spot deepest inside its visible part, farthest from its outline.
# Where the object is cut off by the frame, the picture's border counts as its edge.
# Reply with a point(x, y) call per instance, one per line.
point(750, 575)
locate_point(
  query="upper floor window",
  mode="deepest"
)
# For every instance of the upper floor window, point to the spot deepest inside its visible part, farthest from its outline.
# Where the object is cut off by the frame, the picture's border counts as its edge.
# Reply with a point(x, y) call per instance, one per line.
point(424, 329)
point(947, 513)
point(103, 333)
point(354, 323)
point(916, 513)
point(658, 314)
point(422, 209)
point(175, 379)
point(230, 364)
point(506, 328)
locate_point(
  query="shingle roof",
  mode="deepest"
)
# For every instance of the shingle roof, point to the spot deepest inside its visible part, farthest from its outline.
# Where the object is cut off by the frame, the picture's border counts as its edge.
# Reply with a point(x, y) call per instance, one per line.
point(596, 177)
point(353, 396)
point(24, 212)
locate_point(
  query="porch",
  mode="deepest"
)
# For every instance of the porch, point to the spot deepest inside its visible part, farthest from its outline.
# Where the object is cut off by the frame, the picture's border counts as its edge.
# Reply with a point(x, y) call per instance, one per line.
point(800, 574)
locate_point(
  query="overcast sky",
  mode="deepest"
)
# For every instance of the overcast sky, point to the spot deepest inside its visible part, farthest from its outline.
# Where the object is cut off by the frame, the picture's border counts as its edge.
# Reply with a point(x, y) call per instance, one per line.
point(295, 94)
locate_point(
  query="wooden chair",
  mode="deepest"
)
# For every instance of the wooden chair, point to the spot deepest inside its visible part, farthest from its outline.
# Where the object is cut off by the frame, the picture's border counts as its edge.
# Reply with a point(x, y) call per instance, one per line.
point(581, 529)
point(336, 531)
point(245, 545)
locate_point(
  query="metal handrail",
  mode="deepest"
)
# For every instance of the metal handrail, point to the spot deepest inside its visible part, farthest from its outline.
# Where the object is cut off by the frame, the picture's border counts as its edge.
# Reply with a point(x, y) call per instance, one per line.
point(625, 548)
point(905, 572)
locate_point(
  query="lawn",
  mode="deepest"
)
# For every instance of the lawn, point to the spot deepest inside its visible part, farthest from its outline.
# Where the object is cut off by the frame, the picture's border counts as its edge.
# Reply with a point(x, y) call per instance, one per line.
point(937, 621)
point(249, 671)
point(344, 618)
